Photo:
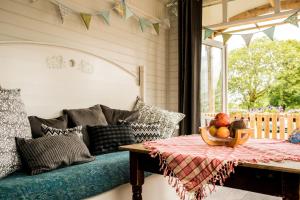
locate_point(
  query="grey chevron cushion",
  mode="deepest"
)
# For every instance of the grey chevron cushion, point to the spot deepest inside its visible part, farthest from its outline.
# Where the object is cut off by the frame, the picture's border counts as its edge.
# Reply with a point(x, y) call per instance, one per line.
point(49, 153)
point(13, 123)
point(146, 132)
point(50, 131)
point(152, 114)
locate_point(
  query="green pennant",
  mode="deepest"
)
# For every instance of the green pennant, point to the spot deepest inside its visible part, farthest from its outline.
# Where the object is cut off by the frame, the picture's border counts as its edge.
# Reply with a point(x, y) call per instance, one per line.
point(86, 19)
point(144, 23)
point(247, 38)
point(105, 14)
point(128, 12)
point(270, 32)
point(226, 37)
point(207, 33)
point(293, 19)
point(156, 27)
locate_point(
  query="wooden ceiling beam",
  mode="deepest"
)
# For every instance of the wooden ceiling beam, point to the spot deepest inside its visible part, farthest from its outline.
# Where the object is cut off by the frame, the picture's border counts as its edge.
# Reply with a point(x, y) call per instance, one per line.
point(265, 9)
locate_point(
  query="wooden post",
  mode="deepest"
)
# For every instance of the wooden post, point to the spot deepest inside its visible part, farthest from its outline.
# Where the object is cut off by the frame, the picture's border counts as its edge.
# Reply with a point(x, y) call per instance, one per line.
point(289, 124)
point(274, 126)
point(282, 127)
point(136, 177)
point(259, 126)
point(267, 125)
point(225, 8)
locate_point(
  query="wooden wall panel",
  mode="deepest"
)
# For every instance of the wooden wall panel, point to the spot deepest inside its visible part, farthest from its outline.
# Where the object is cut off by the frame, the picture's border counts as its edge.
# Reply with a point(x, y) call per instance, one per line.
point(121, 42)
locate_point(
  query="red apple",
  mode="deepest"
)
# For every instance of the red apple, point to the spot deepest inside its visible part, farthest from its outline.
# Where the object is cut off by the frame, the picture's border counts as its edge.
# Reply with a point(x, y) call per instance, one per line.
point(212, 122)
point(222, 120)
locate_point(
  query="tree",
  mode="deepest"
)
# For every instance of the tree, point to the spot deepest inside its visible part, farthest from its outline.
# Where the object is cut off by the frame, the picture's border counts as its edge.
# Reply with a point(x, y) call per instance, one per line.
point(266, 73)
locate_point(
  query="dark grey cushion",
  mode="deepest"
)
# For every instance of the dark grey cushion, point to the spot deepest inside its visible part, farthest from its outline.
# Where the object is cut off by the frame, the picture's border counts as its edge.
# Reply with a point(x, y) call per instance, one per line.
point(36, 122)
point(113, 116)
point(51, 152)
point(107, 139)
point(87, 116)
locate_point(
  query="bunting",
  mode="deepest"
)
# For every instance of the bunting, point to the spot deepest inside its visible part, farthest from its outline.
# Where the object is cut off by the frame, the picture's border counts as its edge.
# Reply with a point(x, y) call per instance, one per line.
point(207, 33)
point(105, 14)
point(128, 13)
point(144, 23)
point(156, 27)
point(63, 11)
point(247, 38)
point(293, 19)
point(119, 8)
point(226, 37)
point(86, 19)
point(270, 32)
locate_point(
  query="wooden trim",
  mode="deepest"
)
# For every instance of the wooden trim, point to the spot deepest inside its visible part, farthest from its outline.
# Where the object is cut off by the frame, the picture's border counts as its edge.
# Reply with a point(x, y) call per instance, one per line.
point(224, 11)
point(277, 6)
point(267, 8)
point(263, 18)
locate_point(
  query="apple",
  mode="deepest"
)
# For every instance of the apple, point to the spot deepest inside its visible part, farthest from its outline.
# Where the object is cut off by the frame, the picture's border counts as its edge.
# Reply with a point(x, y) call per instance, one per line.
point(212, 130)
point(222, 120)
point(223, 132)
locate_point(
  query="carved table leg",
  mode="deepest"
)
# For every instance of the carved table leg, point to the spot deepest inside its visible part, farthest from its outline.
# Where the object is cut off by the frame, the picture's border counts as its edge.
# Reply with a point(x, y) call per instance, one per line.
point(290, 186)
point(136, 177)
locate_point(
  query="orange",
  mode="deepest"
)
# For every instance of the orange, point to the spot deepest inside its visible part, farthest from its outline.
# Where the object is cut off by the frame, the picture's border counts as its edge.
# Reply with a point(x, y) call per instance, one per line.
point(223, 132)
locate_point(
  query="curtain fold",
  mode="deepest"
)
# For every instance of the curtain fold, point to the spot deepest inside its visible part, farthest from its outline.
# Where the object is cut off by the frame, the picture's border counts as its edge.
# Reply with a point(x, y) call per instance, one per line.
point(189, 50)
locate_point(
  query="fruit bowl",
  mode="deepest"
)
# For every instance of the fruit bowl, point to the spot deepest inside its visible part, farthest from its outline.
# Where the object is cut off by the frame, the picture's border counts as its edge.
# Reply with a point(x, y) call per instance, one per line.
point(241, 136)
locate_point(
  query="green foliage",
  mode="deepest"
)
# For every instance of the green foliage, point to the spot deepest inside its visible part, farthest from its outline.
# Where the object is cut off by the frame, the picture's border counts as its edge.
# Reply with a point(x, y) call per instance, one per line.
point(266, 73)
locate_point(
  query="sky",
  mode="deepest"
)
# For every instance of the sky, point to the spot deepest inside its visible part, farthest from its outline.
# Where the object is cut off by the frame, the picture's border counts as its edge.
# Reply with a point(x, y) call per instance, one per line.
point(282, 32)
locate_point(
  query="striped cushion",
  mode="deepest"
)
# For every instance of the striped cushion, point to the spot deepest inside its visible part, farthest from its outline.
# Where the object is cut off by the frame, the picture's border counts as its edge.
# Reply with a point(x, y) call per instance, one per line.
point(50, 131)
point(48, 153)
point(106, 139)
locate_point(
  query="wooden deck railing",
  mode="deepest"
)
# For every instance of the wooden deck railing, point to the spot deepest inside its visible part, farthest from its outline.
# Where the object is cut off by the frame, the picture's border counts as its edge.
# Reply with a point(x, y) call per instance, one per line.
point(268, 125)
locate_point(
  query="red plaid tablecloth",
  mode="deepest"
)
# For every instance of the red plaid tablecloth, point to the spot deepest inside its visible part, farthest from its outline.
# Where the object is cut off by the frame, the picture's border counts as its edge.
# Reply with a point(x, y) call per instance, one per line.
point(193, 166)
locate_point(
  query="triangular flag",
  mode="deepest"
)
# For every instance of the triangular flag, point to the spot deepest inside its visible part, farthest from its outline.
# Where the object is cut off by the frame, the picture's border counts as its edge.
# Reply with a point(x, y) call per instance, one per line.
point(156, 27)
point(86, 19)
point(128, 12)
point(270, 32)
point(167, 22)
point(105, 14)
point(226, 37)
point(63, 11)
point(247, 38)
point(293, 19)
point(207, 33)
point(119, 8)
point(144, 23)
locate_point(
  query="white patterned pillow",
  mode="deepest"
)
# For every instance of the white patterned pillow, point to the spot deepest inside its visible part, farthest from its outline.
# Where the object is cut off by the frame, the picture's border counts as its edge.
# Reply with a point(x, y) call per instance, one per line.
point(50, 131)
point(13, 123)
point(151, 114)
point(145, 132)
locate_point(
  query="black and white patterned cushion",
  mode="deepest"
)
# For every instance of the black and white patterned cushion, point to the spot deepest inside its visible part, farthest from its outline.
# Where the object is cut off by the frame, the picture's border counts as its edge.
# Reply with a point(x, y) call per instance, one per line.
point(106, 139)
point(13, 123)
point(50, 131)
point(152, 114)
point(145, 132)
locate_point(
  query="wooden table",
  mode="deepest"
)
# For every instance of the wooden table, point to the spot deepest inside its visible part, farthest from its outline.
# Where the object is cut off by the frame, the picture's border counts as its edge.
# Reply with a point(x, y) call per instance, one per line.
point(277, 179)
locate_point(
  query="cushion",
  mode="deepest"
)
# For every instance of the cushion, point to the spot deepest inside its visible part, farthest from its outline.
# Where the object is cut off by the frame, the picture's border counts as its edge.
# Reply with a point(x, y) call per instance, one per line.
point(87, 116)
point(106, 139)
point(48, 153)
point(69, 183)
point(36, 122)
point(151, 114)
point(50, 131)
point(145, 132)
point(13, 123)
point(114, 115)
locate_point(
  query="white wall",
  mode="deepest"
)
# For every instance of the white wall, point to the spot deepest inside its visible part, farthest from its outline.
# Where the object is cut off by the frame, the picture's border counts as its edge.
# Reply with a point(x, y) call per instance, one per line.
point(121, 42)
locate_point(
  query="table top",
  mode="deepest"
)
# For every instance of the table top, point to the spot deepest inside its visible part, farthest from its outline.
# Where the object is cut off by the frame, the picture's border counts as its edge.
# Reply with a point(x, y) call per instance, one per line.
point(285, 166)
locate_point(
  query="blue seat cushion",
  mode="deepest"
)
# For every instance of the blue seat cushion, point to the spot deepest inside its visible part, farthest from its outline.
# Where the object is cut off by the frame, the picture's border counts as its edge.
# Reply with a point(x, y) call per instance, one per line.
point(73, 182)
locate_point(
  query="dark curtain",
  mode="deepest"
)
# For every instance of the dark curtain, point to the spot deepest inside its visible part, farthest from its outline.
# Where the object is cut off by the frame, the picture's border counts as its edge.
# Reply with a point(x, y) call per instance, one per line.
point(189, 50)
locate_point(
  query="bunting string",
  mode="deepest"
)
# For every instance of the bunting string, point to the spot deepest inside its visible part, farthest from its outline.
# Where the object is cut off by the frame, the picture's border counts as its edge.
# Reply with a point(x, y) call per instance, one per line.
point(120, 7)
point(269, 32)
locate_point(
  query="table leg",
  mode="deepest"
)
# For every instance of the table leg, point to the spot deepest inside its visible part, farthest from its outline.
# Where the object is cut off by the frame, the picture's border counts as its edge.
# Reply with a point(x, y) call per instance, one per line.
point(136, 177)
point(290, 186)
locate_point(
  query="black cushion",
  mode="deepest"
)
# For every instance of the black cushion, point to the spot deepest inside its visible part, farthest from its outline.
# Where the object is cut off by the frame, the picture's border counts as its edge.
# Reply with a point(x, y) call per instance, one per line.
point(36, 122)
point(114, 115)
point(51, 152)
point(106, 139)
point(87, 116)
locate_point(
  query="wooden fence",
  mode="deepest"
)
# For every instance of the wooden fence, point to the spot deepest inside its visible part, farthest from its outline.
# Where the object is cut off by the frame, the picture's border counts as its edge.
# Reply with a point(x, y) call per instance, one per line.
point(268, 125)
